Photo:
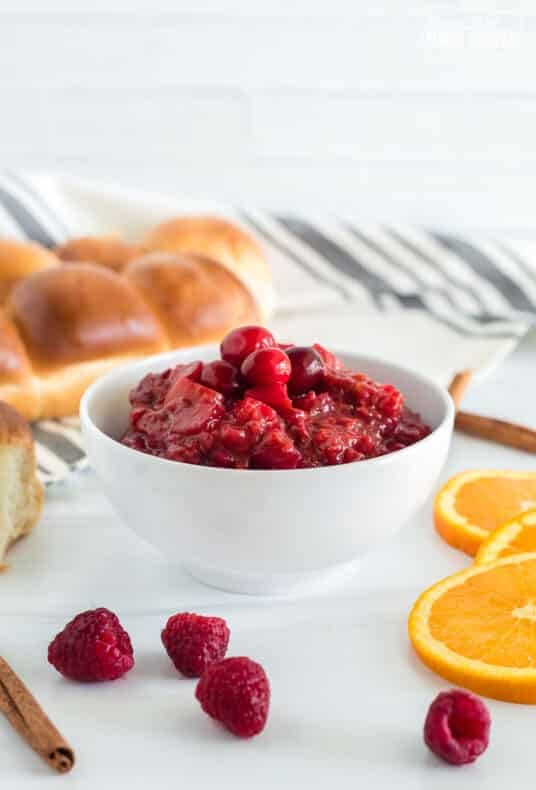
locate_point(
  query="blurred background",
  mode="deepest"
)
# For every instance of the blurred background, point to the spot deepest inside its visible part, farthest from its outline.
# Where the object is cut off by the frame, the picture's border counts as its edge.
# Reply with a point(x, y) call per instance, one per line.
point(417, 111)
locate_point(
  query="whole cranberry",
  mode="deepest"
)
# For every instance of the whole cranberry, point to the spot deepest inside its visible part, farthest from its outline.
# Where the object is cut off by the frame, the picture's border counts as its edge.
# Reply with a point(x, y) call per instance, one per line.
point(308, 369)
point(266, 366)
point(241, 342)
point(220, 376)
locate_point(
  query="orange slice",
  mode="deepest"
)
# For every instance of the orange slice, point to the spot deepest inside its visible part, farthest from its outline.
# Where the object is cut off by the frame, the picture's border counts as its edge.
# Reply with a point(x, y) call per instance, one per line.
point(517, 536)
point(478, 628)
point(473, 504)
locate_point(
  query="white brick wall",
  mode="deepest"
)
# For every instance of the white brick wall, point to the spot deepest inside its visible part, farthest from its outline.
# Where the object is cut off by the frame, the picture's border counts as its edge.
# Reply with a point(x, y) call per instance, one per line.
point(422, 111)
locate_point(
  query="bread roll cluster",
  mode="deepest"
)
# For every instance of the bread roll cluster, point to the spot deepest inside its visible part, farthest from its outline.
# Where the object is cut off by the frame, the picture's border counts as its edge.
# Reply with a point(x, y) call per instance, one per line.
point(70, 315)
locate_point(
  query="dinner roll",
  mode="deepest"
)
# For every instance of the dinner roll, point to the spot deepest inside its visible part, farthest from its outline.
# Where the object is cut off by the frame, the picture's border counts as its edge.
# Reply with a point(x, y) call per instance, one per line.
point(68, 321)
point(17, 385)
point(109, 251)
point(21, 493)
point(18, 259)
point(77, 322)
point(196, 300)
point(223, 241)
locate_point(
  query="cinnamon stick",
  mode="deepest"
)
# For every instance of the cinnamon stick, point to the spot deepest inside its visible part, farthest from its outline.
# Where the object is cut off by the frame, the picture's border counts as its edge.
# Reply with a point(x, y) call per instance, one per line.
point(500, 431)
point(459, 384)
point(27, 717)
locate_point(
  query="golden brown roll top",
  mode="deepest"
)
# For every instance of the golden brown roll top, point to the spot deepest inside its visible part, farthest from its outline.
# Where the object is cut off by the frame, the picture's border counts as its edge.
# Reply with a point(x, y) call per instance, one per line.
point(216, 238)
point(108, 251)
point(195, 299)
point(19, 259)
point(78, 313)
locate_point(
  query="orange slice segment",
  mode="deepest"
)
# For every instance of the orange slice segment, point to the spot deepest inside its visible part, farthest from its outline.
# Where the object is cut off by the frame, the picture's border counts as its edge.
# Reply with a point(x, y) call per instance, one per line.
point(478, 628)
point(517, 536)
point(473, 504)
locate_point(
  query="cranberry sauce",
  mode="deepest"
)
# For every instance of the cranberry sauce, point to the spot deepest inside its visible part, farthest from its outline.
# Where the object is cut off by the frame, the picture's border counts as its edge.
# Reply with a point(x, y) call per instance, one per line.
point(268, 406)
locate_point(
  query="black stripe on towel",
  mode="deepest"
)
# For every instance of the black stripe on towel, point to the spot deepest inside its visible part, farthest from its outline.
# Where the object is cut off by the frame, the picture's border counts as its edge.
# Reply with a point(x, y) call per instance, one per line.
point(376, 285)
point(59, 445)
point(386, 255)
point(31, 227)
point(526, 268)
point(339, 258)
point(30, 190)
point(296, 258)
point(485, 268)
point(436, 266)
point(422, 286)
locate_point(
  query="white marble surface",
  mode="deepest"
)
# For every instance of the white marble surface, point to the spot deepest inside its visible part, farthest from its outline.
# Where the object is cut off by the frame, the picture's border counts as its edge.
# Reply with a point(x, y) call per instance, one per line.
point(348, 696)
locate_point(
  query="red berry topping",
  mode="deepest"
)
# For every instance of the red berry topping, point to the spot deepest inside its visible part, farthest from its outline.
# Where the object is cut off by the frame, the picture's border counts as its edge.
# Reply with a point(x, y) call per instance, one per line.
point(221, 376)
point(275, 395)
point(193, 642)
point(308, 369)
point(457, 727)
point(236, 692)
point(266, 366)
point(94, 646)
point(244, 341)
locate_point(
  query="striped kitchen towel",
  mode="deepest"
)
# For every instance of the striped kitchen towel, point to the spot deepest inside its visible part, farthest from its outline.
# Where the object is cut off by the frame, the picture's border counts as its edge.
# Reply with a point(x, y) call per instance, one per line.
point(434, 299)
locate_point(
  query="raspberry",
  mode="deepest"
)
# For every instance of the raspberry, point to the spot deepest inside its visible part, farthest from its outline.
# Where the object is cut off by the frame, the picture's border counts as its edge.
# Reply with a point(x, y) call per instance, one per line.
point(457, 727)
point(236, 692)
point(93, 646)
point(193, 642)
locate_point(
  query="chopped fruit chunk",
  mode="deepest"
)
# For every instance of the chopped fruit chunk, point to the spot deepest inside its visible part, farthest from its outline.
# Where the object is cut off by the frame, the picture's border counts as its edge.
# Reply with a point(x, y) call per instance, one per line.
point(192, 407)
point(220, 376)
point(179, 382)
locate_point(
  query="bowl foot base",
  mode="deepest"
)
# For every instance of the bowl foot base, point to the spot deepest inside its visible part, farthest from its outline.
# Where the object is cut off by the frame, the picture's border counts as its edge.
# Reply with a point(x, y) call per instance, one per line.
point(300, 583)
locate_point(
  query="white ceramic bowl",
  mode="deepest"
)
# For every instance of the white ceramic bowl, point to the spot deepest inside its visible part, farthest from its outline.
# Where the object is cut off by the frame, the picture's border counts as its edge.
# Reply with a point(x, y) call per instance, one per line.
point(263, 531)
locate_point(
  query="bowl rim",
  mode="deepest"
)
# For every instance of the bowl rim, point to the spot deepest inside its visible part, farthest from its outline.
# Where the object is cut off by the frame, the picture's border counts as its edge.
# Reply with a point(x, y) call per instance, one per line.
point(421, 378)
